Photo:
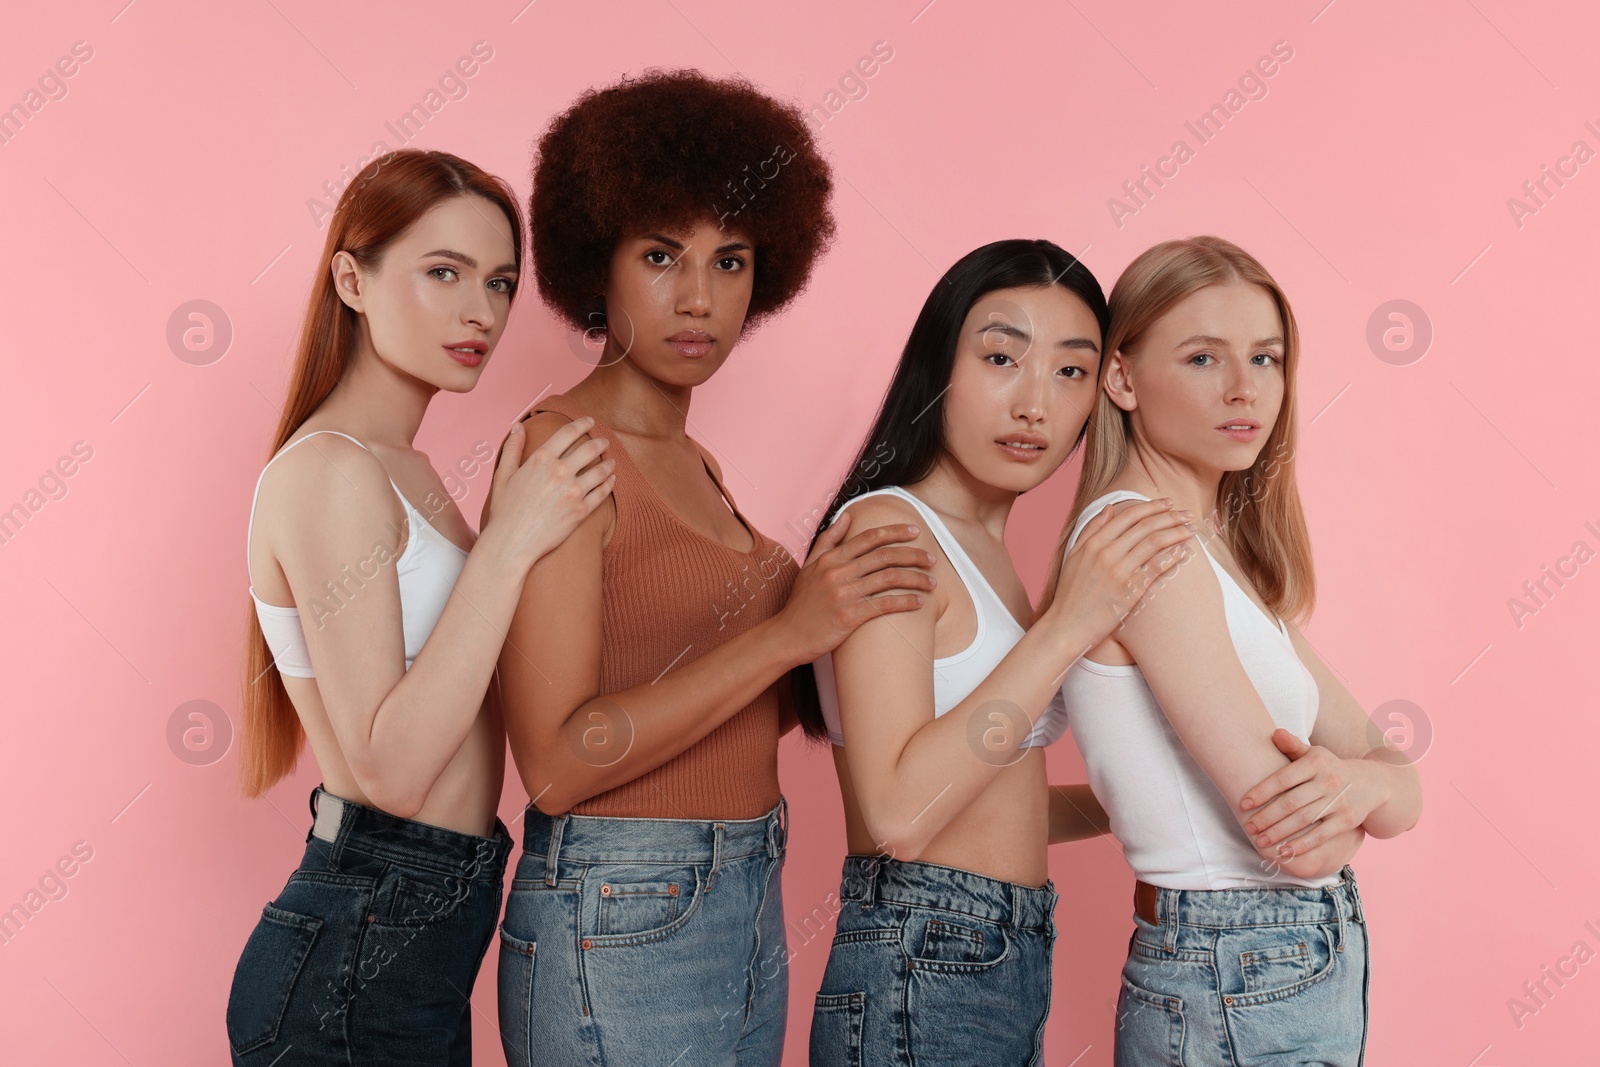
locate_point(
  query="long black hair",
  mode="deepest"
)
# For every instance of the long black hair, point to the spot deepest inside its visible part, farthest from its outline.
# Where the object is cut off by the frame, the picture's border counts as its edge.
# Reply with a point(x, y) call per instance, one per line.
point(907, 437)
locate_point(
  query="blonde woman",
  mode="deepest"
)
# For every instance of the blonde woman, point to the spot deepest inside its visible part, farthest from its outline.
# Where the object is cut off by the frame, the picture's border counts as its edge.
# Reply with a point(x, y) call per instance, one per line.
point(1250, 945)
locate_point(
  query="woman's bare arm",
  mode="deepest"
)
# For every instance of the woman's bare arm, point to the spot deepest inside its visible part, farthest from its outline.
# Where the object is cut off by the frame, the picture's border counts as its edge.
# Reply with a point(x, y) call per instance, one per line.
point(1181, 642)
point(1348, 776)
point(914, 773)
point(336, 541)
point(571, 742)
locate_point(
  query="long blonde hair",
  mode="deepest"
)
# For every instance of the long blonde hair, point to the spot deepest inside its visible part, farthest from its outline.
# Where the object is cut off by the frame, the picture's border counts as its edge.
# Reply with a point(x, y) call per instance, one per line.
point(389, 194)
point(1262, 520)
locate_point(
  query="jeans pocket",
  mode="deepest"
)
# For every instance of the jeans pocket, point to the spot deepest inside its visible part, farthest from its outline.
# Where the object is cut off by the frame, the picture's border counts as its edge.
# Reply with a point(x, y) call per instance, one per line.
point(411, 898)
point(517, 958)
point(1278, 962)
point(1149, 1027)
point(266, 975)
point(636, 903)
point(959, 945)
point(1275, 966)
point(1314, 1004)
point(836, 1020)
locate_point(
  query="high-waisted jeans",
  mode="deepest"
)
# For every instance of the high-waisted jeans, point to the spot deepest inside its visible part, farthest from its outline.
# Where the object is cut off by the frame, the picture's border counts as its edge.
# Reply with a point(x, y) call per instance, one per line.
point(369, 954)
point(935, 966)
point(1264, 977)
point(637, 941)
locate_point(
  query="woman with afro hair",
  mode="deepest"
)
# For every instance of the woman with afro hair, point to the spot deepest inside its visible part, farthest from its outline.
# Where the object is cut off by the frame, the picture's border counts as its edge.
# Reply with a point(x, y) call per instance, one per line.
point(645, 671)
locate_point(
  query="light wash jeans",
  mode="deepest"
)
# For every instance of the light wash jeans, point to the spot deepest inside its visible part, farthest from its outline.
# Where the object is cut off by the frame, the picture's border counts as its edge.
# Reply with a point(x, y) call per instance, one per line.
point(1263, 977)
point(934, 966)
point(641, 941)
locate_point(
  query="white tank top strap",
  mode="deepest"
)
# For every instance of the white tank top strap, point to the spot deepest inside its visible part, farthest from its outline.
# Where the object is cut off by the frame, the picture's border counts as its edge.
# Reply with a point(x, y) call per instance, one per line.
point(426, 571)
point(1231, 589)
point(1175, 827)
point(956, 675)
point(977, 585)
point(279, 455)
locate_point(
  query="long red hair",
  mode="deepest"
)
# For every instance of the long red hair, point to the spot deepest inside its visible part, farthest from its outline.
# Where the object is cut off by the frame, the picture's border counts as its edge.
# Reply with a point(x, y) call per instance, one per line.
point(385, 199)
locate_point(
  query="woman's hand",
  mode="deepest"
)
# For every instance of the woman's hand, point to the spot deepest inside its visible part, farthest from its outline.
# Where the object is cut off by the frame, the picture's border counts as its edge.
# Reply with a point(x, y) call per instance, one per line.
point(1119, 555)
point(1318, 790)
point(538, 502)
point(833, 593)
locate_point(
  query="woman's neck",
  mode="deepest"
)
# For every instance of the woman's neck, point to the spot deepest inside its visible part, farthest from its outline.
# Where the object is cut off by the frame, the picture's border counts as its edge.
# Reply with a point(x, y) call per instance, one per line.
point(378, 403)
point(1157, 475)
point(953, 490)
point(634, 402)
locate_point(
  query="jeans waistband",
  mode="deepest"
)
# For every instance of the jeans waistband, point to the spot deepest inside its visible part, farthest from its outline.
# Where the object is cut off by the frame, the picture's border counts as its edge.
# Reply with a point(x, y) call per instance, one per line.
point(874, 879)
point(1265, 906)
point(619, 839)
point(346, 825)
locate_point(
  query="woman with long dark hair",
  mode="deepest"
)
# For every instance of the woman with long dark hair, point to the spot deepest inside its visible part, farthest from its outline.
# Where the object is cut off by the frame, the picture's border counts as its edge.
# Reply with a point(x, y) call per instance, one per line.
point(1249, 941)
point(644, 670)
point(376, 622)
point(938, 716)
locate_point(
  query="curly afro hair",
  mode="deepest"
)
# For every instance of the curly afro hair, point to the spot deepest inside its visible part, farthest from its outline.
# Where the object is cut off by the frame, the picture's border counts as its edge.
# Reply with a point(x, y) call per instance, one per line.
point(662, 151)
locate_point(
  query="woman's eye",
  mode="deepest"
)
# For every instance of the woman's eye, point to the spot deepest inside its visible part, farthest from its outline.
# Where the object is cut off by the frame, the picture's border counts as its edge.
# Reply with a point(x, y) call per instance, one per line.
point(448, 270)
point(735, 260)
point(666, 258)
point(507, 286)
point(1073, 372)
point(1270, 357)
point(992, 355)
point(1201, 355)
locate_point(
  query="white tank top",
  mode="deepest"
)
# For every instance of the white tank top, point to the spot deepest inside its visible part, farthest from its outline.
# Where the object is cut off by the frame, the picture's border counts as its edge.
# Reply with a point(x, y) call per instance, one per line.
point(427, 570)
point(1175, 827)
point(956, 675)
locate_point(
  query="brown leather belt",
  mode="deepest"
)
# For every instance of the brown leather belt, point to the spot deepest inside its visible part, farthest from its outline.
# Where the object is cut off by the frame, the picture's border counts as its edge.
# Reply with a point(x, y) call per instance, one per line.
point(1144, 902)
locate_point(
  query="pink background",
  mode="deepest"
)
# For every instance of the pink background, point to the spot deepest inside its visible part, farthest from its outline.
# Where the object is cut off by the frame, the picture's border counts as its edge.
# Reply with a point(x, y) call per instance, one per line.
point(1377, 167)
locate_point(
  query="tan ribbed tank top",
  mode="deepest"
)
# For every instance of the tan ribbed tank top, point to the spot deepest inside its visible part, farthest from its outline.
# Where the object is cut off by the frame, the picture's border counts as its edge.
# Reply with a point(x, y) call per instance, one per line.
point(670, 594)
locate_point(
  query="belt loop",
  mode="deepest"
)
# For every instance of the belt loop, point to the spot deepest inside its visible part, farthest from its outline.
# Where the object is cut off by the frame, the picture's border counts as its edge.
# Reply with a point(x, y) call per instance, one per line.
point(552, 855)
point(1358, 913)
point(1167, 915)
point(869, 892)
point(717, 831)
point(1336, 896)
point(778, 829)
point(331, 822)
point(347, 826)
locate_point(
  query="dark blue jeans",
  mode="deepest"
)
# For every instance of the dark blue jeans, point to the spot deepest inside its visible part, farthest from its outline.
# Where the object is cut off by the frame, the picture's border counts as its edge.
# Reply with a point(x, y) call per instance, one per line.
point(369, 954)
point(934, 966)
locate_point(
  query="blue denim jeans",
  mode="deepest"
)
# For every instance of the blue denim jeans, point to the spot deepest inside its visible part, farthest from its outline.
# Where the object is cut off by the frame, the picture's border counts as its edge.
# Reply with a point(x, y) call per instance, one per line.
point(1247, 978)
point(934, 966)
point(368, 955)
point(637, 941)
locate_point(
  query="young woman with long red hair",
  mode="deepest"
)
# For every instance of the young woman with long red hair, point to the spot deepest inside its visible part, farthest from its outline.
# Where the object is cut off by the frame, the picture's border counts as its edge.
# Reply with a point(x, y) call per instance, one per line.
point(376, 625)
